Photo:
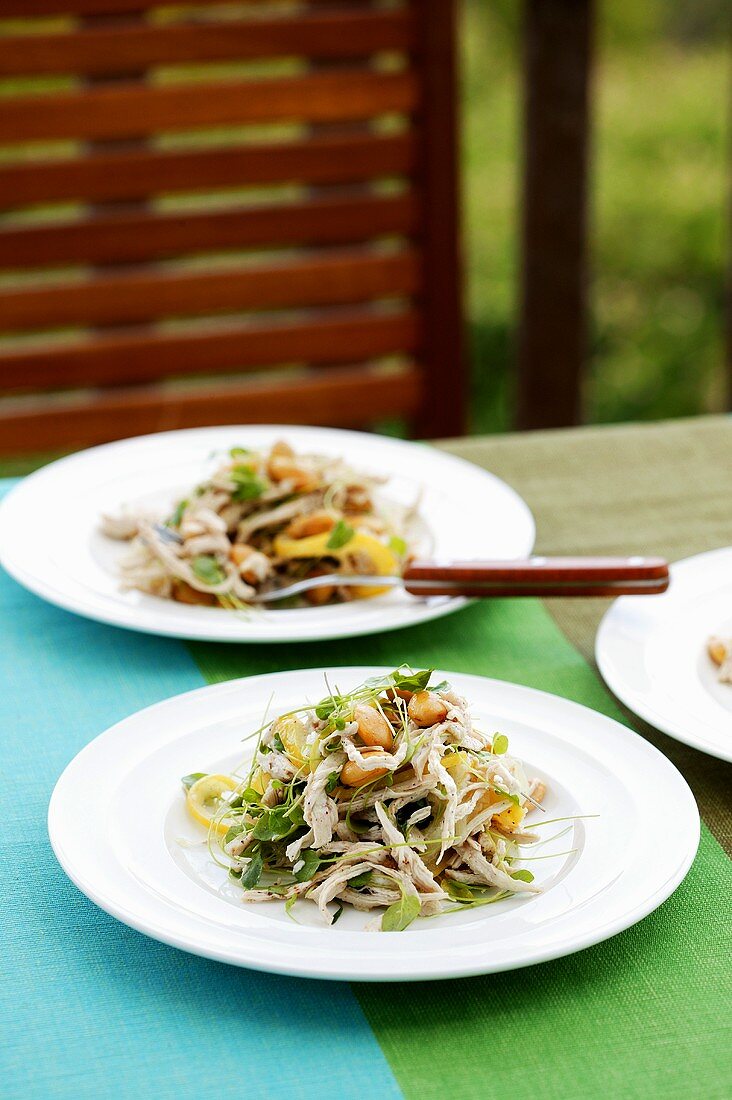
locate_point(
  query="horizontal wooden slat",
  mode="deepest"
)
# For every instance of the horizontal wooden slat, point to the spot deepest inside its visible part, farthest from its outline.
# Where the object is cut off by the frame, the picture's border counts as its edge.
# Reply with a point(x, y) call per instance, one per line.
point(326, 278)
point(119, 358)
point(119, 237)
point(97, 51)
point(131, 109)
point(103, 177)
point(12, 8)
point(348, 397)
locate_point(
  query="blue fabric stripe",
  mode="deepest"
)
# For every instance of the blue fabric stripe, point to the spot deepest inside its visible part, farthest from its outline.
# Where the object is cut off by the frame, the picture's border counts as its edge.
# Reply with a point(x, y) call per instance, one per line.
point(88, 1007)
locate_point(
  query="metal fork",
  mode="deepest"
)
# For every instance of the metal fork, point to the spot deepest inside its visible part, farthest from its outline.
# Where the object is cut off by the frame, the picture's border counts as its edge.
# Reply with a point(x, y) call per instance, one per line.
point(600, 577)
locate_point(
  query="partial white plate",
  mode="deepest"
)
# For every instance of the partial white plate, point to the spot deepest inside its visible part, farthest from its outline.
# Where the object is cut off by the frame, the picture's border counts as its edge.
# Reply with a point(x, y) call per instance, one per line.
point(50, 540)
point(117, 819)
point(652, 653)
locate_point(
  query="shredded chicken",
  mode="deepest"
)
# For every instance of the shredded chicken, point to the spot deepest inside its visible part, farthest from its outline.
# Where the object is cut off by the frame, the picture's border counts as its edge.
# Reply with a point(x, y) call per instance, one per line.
point(262, 521)
point(363, 805)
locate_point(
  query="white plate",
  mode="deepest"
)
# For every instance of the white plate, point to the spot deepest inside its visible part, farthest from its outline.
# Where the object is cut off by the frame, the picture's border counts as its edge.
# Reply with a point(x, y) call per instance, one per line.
point(652, 653)
point(50, 541)
point(117, 816)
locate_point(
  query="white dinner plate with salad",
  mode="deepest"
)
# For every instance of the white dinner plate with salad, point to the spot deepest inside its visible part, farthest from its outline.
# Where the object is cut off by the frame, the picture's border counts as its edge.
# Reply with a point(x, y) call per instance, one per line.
point(669, 659)
point(294, 500)
point(505, 828)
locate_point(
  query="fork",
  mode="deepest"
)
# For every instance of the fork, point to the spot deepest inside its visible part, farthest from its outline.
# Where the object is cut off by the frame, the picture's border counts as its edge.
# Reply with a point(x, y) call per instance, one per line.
point(538, 576)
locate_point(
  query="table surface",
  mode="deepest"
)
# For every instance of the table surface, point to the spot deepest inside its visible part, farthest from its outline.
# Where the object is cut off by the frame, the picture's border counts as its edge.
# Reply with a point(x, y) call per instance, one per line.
point(90, 1008)
point(642, 489)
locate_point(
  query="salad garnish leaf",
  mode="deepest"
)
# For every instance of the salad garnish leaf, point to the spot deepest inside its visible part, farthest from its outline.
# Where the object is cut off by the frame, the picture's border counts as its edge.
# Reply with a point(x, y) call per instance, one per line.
point(177, 516)
point(310, 864)
point(340, 535)
point(360, 880)
point(248, 485)
point(523, 875)
point(252, 873)
point(278, 823)
point(458, 891)
point(411, 681)
point(401, 914)
point(207, 569)
point(189, 780)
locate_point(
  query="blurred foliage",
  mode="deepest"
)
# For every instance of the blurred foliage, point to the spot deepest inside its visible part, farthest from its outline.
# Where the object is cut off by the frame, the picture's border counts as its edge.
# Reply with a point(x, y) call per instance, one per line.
point(659, 199)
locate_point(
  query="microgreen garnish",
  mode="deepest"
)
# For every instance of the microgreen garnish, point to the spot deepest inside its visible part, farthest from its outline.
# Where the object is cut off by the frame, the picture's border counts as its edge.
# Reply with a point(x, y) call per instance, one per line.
point(360, 880)
point(248, 485)
point(252, 872)
point(401, 914)
point(397, 546)
point(207, 569)
point(278, 823)
point(177, 516)
point(340, 535)
point(262, 823)
point(458, 891)
point(310, 863)
point(189, 780)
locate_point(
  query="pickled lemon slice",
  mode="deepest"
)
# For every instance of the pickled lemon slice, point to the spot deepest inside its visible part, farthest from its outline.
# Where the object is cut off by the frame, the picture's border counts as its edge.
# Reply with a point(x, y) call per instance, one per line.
point(205, 800)
point(316, 546)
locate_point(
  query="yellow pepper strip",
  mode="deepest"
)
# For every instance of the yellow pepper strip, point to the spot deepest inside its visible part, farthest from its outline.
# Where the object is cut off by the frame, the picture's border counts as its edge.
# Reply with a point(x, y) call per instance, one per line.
point(316, 546)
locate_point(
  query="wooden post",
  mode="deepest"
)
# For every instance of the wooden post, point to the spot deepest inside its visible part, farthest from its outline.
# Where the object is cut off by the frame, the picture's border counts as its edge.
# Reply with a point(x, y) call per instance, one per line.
point(553, 309)
point(444, 405)
point(728, 284)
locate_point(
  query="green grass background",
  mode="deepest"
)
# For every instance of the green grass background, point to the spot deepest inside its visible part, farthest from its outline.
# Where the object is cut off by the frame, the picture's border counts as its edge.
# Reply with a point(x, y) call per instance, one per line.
point(660, 171)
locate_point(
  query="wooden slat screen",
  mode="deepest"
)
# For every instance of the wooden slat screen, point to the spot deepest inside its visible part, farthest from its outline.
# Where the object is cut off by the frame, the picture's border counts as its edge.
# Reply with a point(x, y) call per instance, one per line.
point(199, 192)
point(100, 177)
point(318, 34)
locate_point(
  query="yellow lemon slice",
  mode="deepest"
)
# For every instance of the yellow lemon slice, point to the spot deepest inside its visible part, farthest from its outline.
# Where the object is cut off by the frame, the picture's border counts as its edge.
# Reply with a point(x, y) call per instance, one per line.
point(205, 800)
point(316, 546)
point(259, 781)
point(292, 734)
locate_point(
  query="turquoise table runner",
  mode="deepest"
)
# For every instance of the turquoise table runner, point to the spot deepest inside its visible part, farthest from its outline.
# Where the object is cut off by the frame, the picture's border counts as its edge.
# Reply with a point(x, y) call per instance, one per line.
point(90, 1008)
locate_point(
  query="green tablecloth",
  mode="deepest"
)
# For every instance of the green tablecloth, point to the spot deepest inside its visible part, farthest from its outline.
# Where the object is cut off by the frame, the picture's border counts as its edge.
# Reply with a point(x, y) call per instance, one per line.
point(90, 1008)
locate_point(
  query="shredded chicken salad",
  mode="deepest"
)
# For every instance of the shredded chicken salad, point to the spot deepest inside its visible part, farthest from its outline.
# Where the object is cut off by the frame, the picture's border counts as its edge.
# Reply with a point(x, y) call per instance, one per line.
point(720, 652)
point(385, 798)
point(263, 520)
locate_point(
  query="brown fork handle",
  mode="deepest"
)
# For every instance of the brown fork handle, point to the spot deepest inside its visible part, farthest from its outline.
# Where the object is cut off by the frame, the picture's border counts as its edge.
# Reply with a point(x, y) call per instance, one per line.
point(636, 576)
